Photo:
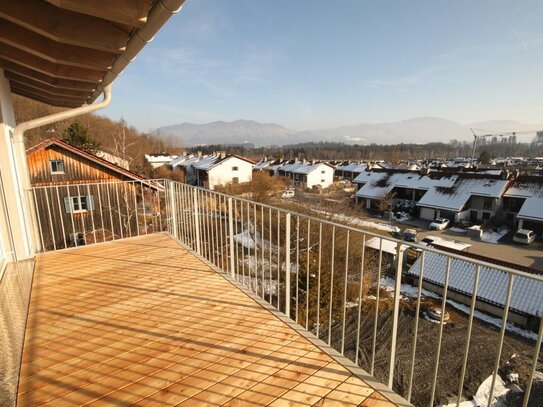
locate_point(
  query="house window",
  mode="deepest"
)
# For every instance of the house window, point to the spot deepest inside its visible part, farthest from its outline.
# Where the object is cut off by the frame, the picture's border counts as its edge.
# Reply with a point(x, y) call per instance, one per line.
point(487, 204)
point(323, 172)
point(235, 168)
point(235, 180)
point(322, 180)
point(78, 204)
point(57, 166)
point(486, 215)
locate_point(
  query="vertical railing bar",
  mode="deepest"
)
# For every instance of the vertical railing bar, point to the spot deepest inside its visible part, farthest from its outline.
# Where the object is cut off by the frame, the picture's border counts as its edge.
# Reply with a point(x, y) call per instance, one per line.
point(160, 207)
point(92, 214)
point(221, 227)
point(241, 212)
point(319, 280)
point(50, 219)
point(197, 222)
point(133, 185)
point(417, 316)
point(468, 337)
point(502, 337)
point(231, 237)
point(345, 293)
point(72, 215)
point(110, 211)
point(153, 211)
point(236, 226)
point(270, 255)
point(119, 209)
point(278, 260)
point(330, 303)
point(297, 263)
point(307, 272)
point(263, 247)
point(81, 215)
point(287, 265)
point(33, 190)
point(218, 246)
point(441, 324)
point(183, 209)
point(211, 229)
point(143, 206)
point(360, 293)
point(60, 216)
point(376, 320)
point(256, 249)
point(534, 365)
point(249, 247)
point(128, 215)
point(98, 189)
point(396, 312)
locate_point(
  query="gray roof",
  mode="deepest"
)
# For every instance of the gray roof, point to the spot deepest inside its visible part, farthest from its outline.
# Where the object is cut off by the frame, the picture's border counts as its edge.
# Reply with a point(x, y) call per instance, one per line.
point(527, 295)
point(532, 208)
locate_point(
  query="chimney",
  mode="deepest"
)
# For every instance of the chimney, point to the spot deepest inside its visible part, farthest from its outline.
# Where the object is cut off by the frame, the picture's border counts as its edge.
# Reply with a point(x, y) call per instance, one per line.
point(199, 153)
point(222, 154)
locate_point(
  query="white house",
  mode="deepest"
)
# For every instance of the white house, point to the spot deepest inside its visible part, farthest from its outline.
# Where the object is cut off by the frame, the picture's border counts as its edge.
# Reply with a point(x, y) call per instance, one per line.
point(184, 164)
point(523, 202)
point(215, 170)
point(159, 159)
point(309, 174)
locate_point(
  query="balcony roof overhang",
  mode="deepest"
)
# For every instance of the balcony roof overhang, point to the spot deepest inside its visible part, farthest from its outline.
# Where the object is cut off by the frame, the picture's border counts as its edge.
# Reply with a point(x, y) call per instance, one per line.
point(64, 52)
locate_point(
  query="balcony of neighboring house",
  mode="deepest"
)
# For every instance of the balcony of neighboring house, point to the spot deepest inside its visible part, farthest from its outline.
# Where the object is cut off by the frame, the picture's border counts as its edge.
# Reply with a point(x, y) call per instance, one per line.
point(182, 295)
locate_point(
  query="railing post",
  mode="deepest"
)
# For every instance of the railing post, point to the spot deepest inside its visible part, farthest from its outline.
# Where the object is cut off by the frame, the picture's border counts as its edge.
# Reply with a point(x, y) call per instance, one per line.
point(173, 209)
point(231, 236)
point(196, 221)
point(397, 287)
point(287, 266)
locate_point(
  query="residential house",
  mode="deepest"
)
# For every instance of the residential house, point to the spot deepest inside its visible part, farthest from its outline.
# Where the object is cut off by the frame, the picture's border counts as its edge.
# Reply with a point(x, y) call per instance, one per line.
point(307, 175)
point(215, 170)
point(471, 197)
point(350, 170)
point(57, 169)
point(523, 203)
point(184, 165)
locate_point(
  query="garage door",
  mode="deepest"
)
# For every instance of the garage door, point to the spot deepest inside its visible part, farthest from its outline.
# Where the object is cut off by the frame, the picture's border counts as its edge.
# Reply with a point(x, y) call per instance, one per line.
point(427, 213)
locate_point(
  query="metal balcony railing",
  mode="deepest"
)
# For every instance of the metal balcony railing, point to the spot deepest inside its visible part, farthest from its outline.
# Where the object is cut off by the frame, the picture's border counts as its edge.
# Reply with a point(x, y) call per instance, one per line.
point(433, 325)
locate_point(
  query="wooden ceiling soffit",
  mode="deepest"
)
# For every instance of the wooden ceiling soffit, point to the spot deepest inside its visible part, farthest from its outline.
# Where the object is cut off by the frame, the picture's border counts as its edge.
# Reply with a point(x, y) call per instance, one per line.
point(45, 94)
point(22, 71)
point(49, 101)
point(51, 90)
point(66, 26)
point(40, 46)
point(41, 65)
point(128, 12)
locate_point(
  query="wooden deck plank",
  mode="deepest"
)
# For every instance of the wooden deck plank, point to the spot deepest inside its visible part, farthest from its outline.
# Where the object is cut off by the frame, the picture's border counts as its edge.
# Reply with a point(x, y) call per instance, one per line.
point(143, 321)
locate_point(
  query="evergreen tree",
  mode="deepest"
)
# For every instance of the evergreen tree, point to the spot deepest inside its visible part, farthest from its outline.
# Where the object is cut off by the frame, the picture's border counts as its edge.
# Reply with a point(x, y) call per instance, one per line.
point(78, 135)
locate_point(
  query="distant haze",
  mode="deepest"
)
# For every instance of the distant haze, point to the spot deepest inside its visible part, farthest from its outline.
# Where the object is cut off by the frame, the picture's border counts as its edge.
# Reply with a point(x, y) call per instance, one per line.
point(418, 130)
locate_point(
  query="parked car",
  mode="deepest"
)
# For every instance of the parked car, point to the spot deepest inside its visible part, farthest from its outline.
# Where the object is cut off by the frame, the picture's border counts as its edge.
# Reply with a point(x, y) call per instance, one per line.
point(288, 193)
point(410, 235)
point(524, 236)
point(439, 224)
point(429, 240)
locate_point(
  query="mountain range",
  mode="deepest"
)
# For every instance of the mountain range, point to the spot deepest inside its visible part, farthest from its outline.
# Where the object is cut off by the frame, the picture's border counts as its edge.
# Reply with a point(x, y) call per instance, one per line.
point(417, 130)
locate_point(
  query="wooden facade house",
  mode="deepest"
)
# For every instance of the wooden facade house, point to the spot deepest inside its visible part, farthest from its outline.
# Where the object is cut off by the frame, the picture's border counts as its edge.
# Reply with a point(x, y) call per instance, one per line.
point(81, 198)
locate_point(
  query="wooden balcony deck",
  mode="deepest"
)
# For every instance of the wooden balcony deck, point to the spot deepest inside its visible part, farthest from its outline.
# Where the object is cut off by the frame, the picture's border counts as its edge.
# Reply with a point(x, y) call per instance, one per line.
point(143, 321)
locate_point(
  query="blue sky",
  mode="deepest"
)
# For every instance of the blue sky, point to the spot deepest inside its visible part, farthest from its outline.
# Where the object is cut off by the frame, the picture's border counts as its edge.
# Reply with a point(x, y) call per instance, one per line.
point(310, 64)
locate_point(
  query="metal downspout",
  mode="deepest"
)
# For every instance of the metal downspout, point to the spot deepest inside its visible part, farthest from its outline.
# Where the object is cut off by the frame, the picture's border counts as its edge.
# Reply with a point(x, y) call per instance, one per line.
point(22, 175)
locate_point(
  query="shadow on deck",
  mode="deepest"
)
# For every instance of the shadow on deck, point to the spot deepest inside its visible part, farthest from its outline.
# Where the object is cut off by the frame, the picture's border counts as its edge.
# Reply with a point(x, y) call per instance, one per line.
point(144, 321)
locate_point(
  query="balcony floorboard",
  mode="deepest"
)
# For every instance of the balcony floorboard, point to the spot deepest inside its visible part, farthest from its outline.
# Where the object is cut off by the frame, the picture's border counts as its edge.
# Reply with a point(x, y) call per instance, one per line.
point(143, 321)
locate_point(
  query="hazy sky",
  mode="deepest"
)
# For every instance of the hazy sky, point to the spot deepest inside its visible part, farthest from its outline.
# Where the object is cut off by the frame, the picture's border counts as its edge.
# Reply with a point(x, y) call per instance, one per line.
point(312, 64)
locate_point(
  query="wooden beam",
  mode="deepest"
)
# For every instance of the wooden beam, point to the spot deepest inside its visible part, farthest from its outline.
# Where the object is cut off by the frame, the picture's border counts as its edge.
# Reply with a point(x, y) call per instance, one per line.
point(59, 103)
point(41, 92)
point(65, 26)
point(129, 12)
point(51, 90)
point(41, 65)
point(35, 44)
point(46, 79)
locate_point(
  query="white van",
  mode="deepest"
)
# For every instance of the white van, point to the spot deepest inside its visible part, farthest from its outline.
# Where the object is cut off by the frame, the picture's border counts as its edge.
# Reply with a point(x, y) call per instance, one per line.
point(524, 236)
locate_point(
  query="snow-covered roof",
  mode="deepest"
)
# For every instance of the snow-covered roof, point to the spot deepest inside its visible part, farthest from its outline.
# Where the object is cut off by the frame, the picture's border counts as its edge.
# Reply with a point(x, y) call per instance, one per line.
point(387, 246)
point(179, 160)
point(155, 158)
point(527, 295)
point(455, 196)
point(532, 208)
point(378, 184)
point(205, 163)
point(352, 167)
point(291, 166)
point(308, 168)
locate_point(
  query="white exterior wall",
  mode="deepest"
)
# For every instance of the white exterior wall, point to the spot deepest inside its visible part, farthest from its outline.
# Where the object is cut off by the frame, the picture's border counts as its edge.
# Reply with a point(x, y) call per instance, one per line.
point(16, 221)
point(223, 174)
point(316, 177)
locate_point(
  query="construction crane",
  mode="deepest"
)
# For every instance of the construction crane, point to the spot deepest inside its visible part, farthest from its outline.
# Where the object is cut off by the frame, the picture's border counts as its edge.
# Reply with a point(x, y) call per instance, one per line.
point(504, 134)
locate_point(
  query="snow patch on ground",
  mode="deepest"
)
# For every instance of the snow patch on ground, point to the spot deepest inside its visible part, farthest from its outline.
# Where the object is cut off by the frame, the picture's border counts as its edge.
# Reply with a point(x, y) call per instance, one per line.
point(359, 222)
point(458, 230)
point(491, 236)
